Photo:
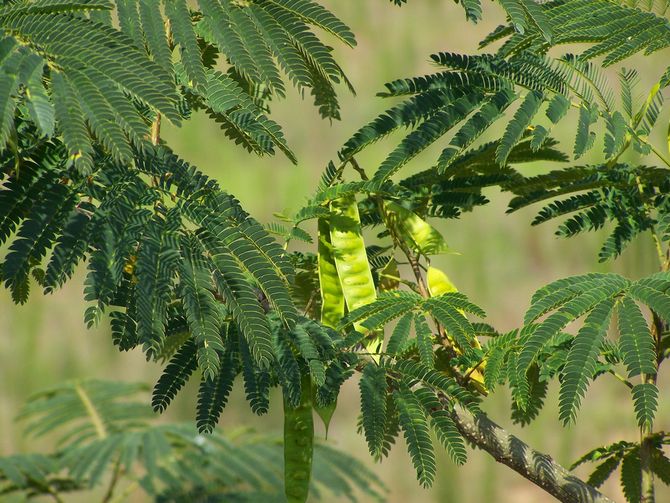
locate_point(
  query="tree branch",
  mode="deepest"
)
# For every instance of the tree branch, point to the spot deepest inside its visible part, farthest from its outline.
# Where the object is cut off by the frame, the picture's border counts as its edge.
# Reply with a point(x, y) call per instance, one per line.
point(534, 466)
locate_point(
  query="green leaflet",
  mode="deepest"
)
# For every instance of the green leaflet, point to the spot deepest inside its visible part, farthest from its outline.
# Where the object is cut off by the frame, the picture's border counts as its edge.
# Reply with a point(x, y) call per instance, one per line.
point(332, 297)
point(298, 445)
point(418, 233)
point(389, 276)
point(645, 399)
point(351, 260)
point(581, 360)
point(414, 424)
point(516, 127)
point(374, 407)
point(325, 412)
point(200, 308)
point(588, 115)
point(184, 35)
point(636, 341)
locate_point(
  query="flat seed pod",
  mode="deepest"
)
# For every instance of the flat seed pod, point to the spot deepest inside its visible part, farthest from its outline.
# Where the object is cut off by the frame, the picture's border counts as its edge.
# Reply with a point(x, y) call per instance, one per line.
point(440, 284)
point(419, 234)
point(351, 260)
point(332, 297)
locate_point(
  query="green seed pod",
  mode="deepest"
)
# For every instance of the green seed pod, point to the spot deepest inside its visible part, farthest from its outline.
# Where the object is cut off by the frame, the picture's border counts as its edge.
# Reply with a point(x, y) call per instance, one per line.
point(332, 298)
point(298, 445)
point(351, 260)
point(419, 234)
point(440, 284)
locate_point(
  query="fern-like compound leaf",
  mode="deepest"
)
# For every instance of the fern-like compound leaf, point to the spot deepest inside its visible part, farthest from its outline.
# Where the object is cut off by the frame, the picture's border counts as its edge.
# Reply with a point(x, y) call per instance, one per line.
point(175, 375)
point(581, 360)
point(636, 342)
point(412, 419)
point(373, 406)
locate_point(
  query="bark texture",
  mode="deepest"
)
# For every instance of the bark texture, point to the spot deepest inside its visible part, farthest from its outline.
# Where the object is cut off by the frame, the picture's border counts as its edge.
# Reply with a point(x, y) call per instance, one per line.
point(535, 466)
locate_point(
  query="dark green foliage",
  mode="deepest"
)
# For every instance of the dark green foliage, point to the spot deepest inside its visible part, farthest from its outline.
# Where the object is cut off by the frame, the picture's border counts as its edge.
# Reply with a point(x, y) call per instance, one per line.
point(631, 476)
point(645, 398)
point(594, 297)
point(620, 193)
point(525, 410)
point(177, 372)
point(444, 426)
point(373, 407)
point(89, 84)
point(446, 309)
point(616, 31)
point(581, 360)
point(636, 342)
point(603, 471)
point(256, 382)
point(413, 422)
point(168, 252)
point(213, 393)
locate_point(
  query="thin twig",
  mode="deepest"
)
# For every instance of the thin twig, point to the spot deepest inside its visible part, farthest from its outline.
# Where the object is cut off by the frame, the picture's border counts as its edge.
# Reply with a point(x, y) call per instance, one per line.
point(114, 480)
point(92, 412)
point(156, 130)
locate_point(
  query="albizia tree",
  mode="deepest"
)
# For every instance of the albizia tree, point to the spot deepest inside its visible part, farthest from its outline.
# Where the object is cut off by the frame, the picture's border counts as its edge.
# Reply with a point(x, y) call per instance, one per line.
point(181, 271)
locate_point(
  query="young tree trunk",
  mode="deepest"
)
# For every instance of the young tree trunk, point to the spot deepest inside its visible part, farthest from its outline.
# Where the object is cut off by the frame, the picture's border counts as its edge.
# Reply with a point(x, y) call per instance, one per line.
point(535, 466)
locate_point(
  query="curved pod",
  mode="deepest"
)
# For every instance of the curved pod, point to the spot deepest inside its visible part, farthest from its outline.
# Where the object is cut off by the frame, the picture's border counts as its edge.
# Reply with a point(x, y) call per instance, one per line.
point(298, 445)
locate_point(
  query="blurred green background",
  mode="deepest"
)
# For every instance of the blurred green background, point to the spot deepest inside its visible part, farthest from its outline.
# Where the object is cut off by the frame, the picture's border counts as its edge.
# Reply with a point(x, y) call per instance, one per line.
point(502, 262)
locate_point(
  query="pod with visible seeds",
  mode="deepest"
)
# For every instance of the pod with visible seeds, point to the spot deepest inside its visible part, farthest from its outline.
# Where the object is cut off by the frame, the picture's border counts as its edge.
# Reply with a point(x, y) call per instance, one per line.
point(332, 298)
point(351, 260)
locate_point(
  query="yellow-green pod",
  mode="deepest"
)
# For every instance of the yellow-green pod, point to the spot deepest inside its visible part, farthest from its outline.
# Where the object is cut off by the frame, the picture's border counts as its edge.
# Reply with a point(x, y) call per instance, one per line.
point(298, 445)
point(418, 233)
point(351, 260)
point(439, 284)
point(332, 298)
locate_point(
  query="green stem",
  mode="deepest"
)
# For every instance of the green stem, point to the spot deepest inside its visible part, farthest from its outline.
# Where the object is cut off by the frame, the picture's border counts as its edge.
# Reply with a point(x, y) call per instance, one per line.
point(156, 129)
point(647, 430)
point(126, 492)
point(657, 242)
point(112, 483)
point(646, 449)
point(621, 378)
point(92, 412)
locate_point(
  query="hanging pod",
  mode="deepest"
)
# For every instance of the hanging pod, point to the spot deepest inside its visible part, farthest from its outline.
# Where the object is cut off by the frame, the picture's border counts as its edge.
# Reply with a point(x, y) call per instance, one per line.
point(351, 261)
point(419, 234)
point(332, 297)
point(440, 284)
point(298, 445)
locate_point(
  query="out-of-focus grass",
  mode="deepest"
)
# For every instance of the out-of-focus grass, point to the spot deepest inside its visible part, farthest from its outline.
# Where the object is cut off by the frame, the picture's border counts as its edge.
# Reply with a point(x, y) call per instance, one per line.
point(502, 262)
